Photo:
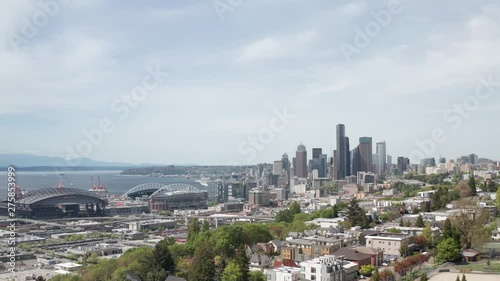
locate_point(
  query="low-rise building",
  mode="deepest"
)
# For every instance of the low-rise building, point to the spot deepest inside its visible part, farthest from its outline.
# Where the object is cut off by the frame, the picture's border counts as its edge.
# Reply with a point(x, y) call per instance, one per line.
point(312, 246)
point(260, 262)
point(283, 273)
point(328, 268)
point(69, 266)
point(390, 243)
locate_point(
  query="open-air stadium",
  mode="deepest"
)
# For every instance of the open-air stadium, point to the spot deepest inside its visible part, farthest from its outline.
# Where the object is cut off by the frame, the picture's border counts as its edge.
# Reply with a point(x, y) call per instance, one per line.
point(72, 202)
point(60, 202)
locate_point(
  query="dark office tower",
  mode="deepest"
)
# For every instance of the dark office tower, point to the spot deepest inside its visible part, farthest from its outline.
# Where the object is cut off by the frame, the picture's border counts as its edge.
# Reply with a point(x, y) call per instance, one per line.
point(301, 161)
point(331, 164)
point(355, 161)
point(318, 162)
point(473, 158)
point(323, 159)
point(294, 166)
point(401, 164)
point(334, 165)
point(365, 154)
point(317, 152)
point(348, 158)
point(342, 153)
point(286, 163)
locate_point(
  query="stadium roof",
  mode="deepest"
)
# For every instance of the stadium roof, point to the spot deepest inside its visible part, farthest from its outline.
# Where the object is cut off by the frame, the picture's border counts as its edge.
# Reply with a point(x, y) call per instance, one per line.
point(38, 195)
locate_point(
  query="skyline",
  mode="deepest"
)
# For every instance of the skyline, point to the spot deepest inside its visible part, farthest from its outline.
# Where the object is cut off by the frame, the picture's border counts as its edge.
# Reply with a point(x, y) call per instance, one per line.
point(216, 81)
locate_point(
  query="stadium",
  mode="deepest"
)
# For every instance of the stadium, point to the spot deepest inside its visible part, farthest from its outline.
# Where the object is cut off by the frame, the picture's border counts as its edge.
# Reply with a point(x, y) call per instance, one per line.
point(60, 203)
point(175, 196)
point(178, 200)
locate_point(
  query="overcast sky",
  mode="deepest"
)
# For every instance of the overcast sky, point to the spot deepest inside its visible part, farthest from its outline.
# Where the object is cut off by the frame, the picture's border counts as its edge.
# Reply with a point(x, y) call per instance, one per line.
point(232, 67)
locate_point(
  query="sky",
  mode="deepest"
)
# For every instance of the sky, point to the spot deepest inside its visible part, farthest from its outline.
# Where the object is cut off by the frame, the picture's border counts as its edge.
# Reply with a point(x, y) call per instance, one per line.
point(242, 82)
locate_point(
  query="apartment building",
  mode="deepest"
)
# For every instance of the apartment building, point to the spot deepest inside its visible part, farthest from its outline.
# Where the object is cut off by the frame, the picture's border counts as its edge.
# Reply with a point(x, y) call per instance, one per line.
point(390, 243)
point(312, 246)
point(328, 268)
point(284, 273)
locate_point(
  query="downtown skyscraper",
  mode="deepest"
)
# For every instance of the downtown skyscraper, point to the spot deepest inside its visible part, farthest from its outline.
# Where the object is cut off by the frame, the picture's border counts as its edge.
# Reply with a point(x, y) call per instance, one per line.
point(342, 153)
point(301, 162)
point(365, 154)
point(382, 158)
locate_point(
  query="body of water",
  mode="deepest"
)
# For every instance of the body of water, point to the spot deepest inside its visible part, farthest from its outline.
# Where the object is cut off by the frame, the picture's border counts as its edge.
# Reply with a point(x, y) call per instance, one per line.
point(112, 180)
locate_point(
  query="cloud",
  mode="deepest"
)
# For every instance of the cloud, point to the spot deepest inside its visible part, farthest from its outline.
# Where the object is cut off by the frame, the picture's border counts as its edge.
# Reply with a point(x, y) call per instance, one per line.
point(86, 51)
point(278, 47)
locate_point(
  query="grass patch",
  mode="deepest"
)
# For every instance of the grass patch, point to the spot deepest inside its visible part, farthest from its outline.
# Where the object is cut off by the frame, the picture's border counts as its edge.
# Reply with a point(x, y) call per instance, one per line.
point(480, 266)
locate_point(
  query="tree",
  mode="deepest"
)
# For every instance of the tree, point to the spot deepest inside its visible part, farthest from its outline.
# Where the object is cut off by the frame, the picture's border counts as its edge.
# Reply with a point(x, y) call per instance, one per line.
point(284, 216)
point(492, 186)
point(401, 223)
point(203, 266)
point(257, 276)
point(232, 272)
point(458, 278)
point(464, 278)
point(162, 256)
point(220, 267)
point(92, 258)
point(408, 223)
point(448, 250)
point(356, 215)
point(294, 208)
point(425, 207)
point(464, 190)
point(193, 230)
point(205, 226)
point(375, 275)
point(470, 223)
point(427, 233)
point(420, 221)
point(243, 262)
point(419, 241)
point(424, 277)
point(386, 275)
point(403, 249)
point(498, 197)
point(40, 278)
point(367, 270)
point(335, 211)
point(448, 231)
point(472, 186)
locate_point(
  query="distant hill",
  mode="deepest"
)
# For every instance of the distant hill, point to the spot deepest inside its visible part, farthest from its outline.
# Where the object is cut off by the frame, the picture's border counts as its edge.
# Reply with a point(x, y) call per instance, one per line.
point(28, 160)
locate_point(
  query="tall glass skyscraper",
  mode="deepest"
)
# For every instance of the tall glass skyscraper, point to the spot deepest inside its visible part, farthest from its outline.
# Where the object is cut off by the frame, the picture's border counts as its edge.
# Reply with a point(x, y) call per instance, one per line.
point(365, 154)
point(301, 162)
point(382, 157)
point(341, 163)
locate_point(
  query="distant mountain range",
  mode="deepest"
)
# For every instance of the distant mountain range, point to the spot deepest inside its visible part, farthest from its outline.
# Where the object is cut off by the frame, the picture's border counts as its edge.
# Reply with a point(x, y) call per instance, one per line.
point(28, 160)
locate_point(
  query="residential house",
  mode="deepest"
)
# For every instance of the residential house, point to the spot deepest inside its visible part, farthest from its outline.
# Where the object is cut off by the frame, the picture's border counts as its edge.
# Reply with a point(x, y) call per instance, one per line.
point(260, 262)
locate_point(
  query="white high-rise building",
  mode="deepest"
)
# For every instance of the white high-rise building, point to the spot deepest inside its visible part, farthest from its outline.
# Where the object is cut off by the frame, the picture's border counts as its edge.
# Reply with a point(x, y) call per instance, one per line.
point(382, 156)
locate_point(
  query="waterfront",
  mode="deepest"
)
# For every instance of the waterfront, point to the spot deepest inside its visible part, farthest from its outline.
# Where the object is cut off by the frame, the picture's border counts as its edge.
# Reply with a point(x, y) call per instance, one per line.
point(112, 180)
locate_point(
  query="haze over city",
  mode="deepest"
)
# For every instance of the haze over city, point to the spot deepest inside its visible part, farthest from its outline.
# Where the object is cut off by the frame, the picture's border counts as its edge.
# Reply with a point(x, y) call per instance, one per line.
point(231, 69)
